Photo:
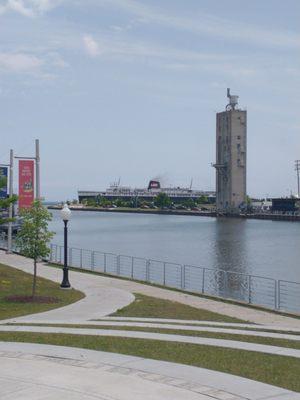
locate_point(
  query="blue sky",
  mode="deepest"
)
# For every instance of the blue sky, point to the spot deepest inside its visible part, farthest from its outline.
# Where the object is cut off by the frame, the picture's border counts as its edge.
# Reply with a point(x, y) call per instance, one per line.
point(129, 89)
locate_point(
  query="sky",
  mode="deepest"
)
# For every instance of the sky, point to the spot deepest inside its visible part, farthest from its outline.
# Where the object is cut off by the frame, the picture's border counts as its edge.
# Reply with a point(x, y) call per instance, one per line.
point(127, 89)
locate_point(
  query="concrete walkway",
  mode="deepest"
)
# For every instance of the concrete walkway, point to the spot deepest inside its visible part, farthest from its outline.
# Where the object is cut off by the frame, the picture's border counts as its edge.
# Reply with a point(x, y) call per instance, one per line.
point(163, 326)
point(231, 344)
point(105, 295)
point(100, 299)
point(32, 371)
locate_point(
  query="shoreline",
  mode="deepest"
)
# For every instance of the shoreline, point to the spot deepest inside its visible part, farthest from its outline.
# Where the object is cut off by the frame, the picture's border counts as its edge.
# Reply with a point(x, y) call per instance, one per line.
point(271, 217)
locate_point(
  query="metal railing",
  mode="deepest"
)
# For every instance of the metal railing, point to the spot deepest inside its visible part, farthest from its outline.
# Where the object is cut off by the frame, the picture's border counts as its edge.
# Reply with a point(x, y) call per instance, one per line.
point(251, 289)
point(280, 295)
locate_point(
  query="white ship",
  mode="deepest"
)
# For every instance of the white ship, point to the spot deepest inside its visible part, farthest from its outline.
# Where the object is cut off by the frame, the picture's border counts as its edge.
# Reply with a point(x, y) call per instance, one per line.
point(116, 191)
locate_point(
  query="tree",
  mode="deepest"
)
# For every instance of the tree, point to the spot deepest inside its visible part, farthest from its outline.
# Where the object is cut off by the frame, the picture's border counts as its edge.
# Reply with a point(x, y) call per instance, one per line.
point(5, 203)
point(188, 203)
point(162, 200)
point(202, 200)
point(34, 236)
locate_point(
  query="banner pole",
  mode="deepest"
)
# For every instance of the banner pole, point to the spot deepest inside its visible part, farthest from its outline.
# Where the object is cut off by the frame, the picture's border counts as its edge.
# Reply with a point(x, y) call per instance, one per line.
point(10, 212)
point(37, 169)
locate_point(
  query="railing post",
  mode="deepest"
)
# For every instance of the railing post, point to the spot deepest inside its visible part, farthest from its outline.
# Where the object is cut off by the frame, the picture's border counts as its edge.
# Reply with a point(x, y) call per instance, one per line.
point(182, 276)
point(51, 251)
point(147, 270)
point(132, 264)
point(70, 256)
point(80, 258)
point(275, 294)
point(203, 279)
point(279, 294)
point(92, 260)
point(118, 265)
point(249, 290)
point(164, 278)
point(105, 263)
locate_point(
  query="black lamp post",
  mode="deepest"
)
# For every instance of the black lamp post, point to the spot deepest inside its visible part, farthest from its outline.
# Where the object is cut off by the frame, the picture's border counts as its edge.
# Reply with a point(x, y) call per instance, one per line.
point(65, 215)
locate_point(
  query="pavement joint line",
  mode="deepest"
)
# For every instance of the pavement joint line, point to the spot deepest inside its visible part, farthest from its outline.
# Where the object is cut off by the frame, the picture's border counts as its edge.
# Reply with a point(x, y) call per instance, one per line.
point(232, 344)
point(168, 327)
point(120, 369)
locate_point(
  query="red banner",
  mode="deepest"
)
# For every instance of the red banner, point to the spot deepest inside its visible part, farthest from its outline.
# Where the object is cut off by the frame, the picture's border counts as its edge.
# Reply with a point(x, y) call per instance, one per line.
point(26, 183)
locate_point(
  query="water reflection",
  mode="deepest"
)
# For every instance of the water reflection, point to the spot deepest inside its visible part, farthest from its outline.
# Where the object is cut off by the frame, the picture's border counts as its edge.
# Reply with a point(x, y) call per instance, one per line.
point(230, 246)
point(230, 254)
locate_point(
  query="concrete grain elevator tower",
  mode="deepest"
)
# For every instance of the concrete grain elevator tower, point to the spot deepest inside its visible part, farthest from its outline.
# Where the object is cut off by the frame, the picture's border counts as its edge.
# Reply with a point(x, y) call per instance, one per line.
point(231, 155)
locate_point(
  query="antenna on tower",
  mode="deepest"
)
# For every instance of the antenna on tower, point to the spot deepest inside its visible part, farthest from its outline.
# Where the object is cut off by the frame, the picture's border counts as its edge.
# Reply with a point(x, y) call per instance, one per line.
point(233, 100)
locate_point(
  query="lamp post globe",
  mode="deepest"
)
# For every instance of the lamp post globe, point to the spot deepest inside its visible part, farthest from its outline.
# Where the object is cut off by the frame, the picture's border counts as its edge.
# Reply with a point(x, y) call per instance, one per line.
point(65, 213)
point(65, 216)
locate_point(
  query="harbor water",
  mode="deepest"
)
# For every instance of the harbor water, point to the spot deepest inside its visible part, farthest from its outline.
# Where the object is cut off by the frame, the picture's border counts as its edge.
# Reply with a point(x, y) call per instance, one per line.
point(256, 247)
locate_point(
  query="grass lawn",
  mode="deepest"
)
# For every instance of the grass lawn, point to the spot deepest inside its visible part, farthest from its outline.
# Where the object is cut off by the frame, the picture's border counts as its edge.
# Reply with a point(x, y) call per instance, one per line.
point(152, 307)
point(273, 369)
point(196, 294)
point(292, 344)
point(14, 282)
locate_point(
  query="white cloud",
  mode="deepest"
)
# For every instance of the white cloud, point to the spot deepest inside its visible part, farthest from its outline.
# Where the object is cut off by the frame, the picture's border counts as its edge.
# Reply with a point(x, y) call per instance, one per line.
point(19, 62)
point(208, 24)
point(91, 46)
point(29, 8)
point(19, 7)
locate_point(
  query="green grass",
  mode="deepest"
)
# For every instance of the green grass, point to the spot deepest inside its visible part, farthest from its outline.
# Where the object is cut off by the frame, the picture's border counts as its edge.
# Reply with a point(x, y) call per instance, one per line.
point(259, 328)
point(195, 294)
point(152, 307)
point(292, 344)
point(14, 282)
point(272, 369)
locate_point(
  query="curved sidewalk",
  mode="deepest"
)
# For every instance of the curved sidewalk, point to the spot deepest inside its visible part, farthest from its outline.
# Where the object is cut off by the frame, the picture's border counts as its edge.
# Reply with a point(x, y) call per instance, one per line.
point(104, 295)
point(100, 299)
point(32, 371)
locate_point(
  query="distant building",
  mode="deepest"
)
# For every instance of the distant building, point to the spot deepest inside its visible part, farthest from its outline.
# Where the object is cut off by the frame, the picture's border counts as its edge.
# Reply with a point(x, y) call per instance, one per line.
point(231, 155)
point(282, 205)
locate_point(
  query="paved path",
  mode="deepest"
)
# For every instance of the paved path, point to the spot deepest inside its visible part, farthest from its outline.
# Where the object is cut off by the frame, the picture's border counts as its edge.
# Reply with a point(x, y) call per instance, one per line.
point(232, 344)
point(32, 371)
point(100, 300)
point(175, 326)
point(105, 299)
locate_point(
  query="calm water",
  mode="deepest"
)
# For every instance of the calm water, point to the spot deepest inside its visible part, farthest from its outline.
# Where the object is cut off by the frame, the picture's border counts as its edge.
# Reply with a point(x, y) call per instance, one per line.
point(258, 247)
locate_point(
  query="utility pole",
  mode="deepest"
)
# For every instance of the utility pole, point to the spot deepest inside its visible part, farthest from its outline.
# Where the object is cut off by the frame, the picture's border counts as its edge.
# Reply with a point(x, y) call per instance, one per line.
point(297, 168)
point(10, 211)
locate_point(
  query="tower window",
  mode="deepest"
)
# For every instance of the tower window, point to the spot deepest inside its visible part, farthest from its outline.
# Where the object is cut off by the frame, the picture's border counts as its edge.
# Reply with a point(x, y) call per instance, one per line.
point(238, 137)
